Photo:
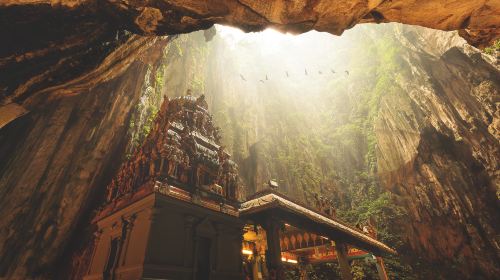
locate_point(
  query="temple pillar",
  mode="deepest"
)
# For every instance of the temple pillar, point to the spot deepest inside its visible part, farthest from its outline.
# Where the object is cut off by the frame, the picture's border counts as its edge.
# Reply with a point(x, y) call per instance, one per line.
point(382, 274)
point(345, 268)
point(303, 271)
point(273, 253)
point(188, 242)
point(239, 241)
point(97, 238)
point(128, 224)
point(162, 163)
point(255, 268)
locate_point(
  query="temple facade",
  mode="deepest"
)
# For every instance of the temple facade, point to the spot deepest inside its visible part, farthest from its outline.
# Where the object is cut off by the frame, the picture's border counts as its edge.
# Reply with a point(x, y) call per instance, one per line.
point(171, 212)
point(175, 210)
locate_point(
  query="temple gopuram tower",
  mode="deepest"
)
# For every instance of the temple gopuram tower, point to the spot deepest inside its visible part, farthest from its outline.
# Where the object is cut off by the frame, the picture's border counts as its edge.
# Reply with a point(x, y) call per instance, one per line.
point(172, 210)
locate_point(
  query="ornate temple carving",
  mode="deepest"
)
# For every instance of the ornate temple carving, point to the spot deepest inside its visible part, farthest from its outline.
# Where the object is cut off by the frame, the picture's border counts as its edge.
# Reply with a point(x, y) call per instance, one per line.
point(173, 212)
point(183, 149)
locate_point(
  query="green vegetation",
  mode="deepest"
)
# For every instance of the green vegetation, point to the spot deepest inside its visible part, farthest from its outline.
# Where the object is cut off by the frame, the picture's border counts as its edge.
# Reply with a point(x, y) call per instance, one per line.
point(150, 101)
point(156, 82)
point(328, 148)
point(493, 48)
point(146, 110)
point(312, 143)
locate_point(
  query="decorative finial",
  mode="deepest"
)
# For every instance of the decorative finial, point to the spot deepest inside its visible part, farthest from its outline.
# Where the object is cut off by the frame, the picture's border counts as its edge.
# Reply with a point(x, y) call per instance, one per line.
point(273, 185)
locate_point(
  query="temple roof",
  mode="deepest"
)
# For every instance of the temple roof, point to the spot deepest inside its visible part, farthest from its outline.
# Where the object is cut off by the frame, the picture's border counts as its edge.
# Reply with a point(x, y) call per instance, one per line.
point(181, 149)
point(273, 203)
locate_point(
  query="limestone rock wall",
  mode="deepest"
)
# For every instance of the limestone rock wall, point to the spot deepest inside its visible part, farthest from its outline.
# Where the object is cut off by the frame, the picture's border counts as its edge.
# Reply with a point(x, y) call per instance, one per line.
point(55, 160)
point(438, 151)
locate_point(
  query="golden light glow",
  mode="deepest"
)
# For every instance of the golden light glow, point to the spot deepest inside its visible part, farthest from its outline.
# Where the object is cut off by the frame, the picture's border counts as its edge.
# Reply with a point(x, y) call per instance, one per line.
point(283, 60)
point(247, 252)
point(288, 260)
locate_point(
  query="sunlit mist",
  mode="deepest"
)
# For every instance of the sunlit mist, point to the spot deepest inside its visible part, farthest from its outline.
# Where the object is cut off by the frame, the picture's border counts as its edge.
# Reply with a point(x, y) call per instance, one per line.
point(307, 60)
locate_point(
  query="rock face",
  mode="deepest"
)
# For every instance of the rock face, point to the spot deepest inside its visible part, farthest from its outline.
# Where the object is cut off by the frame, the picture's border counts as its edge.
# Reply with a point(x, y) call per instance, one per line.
point(438, 151)
point(55, 160)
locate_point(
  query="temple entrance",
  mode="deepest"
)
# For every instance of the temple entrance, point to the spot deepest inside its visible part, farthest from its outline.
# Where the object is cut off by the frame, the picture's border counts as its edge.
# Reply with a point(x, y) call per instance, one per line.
point(203, 259)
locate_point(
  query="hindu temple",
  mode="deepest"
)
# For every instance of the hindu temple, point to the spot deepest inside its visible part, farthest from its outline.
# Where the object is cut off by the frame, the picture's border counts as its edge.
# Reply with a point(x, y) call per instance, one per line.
point(175, 210)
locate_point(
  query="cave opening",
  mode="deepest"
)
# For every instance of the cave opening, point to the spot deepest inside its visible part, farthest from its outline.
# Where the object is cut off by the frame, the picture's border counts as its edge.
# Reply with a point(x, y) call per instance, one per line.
point(320, 115)
point(390, 130)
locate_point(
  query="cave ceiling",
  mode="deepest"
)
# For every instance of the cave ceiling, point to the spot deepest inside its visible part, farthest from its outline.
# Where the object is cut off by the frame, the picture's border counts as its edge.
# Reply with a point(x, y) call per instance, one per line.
point(477, 20)
point(49, 42)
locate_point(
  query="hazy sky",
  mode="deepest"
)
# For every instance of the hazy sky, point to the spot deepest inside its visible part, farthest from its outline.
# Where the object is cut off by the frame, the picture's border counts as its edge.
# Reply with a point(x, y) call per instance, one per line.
point(274, 54)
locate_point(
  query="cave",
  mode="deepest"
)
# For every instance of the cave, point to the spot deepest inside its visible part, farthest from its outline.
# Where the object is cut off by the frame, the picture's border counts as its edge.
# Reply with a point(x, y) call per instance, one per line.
point(369, 128)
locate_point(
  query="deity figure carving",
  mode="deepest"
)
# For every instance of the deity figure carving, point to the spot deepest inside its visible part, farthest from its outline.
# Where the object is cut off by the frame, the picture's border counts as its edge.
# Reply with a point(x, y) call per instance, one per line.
point(182, 147)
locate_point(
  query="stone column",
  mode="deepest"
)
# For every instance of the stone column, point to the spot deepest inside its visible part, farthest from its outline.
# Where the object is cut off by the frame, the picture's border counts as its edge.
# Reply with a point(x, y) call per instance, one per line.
point(273, 253)
point(345, 268)
point(382, 274)
point(127, 232)
point(97, 238)
point(196, 241)
point(162, 162)
point(240, 242)
point(303, 271)
point(188, 240)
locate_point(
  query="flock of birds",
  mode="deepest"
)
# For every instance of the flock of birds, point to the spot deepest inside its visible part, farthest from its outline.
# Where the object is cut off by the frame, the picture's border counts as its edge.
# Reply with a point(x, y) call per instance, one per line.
point(288, 75)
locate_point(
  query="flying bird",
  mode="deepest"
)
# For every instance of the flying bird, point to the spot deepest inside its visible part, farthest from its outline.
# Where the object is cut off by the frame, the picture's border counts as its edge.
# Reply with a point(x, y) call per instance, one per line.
point(261, 81)
point(333, 71)
point(319, 72)
point(305, 71)
point(287, 74)
point(347, 72)
point(243, 78)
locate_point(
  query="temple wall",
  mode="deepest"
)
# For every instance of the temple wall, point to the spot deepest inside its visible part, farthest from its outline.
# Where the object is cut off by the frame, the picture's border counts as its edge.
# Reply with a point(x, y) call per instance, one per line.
point(163, 238)
point(176, 237)
point(134, 238)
